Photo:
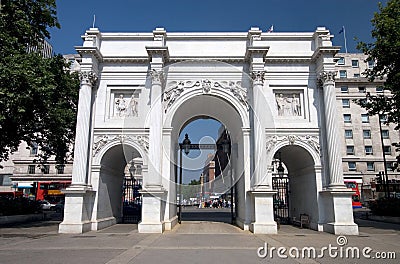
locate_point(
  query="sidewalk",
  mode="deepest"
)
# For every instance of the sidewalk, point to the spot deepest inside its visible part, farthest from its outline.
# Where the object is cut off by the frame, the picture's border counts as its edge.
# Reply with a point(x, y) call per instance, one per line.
point(190, 242)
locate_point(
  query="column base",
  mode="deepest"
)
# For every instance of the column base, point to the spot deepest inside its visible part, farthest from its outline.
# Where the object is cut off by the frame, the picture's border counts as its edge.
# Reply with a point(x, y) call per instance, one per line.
point(78, 210)
point(169, 224)
point(103, 223)
point(338, 213)
point(263, 211)
point(341, 229)
point(264, 228)
point(79, 228)
point(152, 210)
point(155, 228)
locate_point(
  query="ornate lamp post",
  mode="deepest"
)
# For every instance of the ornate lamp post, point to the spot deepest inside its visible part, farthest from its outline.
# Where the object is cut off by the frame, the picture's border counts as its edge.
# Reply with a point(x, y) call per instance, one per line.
point(280, 168)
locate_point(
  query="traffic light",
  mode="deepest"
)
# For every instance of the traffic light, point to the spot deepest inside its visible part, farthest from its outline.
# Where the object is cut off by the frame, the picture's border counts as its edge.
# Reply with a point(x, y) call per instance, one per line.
point(378, 178)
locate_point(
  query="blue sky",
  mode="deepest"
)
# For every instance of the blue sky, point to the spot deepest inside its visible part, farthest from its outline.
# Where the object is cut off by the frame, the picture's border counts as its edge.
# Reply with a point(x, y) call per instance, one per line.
point(213, 15)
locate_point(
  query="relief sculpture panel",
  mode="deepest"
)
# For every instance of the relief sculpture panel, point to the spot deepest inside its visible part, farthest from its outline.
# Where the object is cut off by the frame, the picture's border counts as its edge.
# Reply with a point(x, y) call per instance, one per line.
point(288, 104)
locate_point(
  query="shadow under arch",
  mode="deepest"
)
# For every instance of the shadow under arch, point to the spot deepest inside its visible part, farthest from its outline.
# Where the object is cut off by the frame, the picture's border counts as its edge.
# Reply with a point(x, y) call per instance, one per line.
point(109, 182)
point(303, 170)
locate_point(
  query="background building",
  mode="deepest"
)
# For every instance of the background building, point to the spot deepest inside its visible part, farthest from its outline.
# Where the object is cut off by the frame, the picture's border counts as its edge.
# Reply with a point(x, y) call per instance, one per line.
point(361, 138)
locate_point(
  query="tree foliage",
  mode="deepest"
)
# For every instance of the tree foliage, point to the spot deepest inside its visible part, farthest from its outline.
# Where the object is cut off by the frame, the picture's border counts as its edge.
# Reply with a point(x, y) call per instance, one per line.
point(38, 95)
point(385, 53)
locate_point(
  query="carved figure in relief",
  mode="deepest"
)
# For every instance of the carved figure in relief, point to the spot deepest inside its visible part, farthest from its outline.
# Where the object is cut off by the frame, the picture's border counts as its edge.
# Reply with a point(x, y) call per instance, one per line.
point(133, 106)
point(121, 105)
point(296, 110)
point(281, 104)
point(288, 106)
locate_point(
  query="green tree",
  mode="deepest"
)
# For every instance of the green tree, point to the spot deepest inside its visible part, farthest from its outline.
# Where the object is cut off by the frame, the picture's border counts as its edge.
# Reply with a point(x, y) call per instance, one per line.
point(385, 53)
point(38, 95)
point(194, 182)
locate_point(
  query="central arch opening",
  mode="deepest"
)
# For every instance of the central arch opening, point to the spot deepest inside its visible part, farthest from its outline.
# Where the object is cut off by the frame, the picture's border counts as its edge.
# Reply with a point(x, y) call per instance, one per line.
point(206, 188)
point(225, 112)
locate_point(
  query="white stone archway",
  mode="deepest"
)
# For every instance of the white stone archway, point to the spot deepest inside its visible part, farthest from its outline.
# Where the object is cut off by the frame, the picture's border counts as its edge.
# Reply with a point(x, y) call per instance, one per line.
point(225, 107)
point(238, 78)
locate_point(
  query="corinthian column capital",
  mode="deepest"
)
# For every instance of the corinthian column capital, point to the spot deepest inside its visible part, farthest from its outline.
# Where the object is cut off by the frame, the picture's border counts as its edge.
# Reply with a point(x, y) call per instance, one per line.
point(326, 77)
point(157, 76)
point(257, 77)
point(88, 77)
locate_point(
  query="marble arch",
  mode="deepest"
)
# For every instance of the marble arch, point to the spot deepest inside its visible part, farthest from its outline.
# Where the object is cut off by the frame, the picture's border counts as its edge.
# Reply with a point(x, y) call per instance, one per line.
point(133, 91)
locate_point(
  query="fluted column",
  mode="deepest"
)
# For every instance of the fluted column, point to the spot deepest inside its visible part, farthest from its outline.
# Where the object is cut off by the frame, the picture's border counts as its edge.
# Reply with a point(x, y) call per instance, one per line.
point(81, 148)
point(327, 80)
point(154, 179)
point(258, 143)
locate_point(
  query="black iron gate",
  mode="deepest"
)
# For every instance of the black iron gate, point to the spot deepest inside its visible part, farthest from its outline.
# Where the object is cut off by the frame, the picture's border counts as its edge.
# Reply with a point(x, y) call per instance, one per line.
point(281, 199)
point(132, 202)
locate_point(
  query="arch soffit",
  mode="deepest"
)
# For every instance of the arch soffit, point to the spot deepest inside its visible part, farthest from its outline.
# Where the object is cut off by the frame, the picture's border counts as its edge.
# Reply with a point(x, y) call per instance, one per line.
point(217, 90)
point(142, 149)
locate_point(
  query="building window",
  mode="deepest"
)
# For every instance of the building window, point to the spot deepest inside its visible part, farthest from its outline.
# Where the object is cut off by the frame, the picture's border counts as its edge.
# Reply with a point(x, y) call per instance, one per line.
point(383, 118)
point(341, 61)
point(387, 150)
point(356, 75)
point(367, 134)
point(385, 133)
point(60, 169)
point(34, 149)
point(371, 64)
point(349, 150)
point(370, 166)
point(31, 169)
point(343, 74)
point(348, 133)
point(346, 103)
point(344, 89)
point(364, 118)
point(347, 118)
point(354, 63)
point(46, 169)
point(379, 89)
point(352, 165)
point(362, 89)
point(368, 150)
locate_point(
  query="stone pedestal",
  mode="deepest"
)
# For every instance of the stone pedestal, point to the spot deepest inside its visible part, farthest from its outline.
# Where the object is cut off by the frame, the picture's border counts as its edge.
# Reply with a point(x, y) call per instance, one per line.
point(263, 212)
point(78, 210)
point(339, 220)
point(153, 202)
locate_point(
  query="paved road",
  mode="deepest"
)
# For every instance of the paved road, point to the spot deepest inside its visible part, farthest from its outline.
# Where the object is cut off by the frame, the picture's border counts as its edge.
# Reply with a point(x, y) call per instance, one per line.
point(191, 242)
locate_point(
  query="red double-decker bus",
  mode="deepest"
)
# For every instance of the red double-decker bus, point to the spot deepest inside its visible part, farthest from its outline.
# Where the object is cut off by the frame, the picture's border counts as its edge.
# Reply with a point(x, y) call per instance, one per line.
point(356, 202)
point(51, 191)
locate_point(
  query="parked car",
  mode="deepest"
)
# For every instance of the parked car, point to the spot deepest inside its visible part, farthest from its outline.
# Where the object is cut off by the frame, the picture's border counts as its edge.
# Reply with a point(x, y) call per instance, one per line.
point(45, 205)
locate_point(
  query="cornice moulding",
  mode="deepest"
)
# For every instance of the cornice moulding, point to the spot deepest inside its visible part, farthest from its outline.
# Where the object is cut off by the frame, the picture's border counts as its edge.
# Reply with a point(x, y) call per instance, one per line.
point(90, 50)
point(158, 50)
point(206, 35)
point(323, 50)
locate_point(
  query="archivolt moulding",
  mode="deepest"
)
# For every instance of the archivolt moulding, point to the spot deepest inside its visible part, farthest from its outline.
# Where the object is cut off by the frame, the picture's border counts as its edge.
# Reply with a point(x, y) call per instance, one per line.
point(172, 93)
point(310, 140)
point(101, 140)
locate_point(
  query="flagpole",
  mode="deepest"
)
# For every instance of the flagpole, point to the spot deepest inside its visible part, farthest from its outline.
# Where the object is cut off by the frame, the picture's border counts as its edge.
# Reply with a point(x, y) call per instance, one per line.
point(345, 41)
point(94, 20)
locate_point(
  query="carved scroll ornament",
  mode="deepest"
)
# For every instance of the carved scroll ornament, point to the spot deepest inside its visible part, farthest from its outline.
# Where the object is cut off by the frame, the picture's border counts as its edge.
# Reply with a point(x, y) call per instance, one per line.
point(312, 141)
point(172, 93)
point(101, 140)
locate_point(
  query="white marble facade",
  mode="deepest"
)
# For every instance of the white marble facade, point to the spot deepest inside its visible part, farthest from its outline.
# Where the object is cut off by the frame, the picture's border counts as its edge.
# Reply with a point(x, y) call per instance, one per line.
point(139, 89)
